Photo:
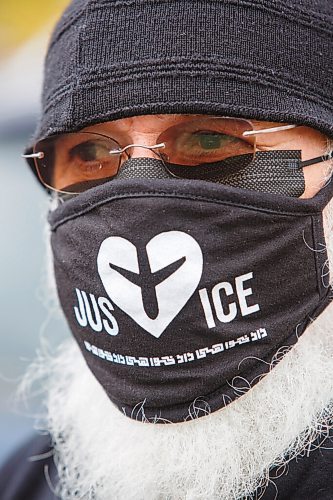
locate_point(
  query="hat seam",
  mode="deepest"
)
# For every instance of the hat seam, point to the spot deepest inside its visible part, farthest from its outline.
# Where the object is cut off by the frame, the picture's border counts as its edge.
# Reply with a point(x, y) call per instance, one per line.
point(147, 64)
point(241, 73)
point(66, 25)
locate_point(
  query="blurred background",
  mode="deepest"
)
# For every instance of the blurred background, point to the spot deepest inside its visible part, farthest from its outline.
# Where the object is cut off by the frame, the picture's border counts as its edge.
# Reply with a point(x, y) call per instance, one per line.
point(24, 32)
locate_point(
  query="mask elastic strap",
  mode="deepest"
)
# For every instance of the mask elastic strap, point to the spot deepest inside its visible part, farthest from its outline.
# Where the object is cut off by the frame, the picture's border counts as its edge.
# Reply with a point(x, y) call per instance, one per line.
point(313, 161)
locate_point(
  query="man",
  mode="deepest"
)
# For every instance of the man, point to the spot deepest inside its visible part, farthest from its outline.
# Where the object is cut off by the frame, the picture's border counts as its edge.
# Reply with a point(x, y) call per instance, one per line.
point(187, 145)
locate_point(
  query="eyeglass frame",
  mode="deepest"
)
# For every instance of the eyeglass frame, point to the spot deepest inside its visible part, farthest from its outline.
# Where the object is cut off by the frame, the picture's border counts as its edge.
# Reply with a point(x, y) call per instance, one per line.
point(121, 151)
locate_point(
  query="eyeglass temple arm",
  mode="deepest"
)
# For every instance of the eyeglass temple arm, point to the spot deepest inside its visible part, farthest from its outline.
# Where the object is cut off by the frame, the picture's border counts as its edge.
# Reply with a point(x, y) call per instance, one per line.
point(39, 155)
point(305, 163)
point(268, 130)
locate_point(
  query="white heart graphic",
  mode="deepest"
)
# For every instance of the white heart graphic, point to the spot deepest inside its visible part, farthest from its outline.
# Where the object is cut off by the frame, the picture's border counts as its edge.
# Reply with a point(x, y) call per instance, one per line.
point(172, 294)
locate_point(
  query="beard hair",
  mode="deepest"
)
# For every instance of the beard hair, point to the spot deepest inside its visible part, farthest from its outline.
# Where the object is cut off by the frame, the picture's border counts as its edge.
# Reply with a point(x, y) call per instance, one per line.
point(102, 454)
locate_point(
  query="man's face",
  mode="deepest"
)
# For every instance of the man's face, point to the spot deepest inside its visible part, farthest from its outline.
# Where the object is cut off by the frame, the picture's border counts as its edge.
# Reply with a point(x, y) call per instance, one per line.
point(226, 452)
point(147, 130)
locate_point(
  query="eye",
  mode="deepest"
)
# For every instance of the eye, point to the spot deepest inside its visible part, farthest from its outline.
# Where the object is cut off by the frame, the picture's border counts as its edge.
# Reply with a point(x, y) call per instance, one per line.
point(92, 158)
point(205, 140)
point(212, 140)
point(89, 151)
point(207, 146)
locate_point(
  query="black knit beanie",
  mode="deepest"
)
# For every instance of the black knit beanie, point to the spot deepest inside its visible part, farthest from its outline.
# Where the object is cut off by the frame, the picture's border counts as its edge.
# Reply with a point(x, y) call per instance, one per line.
point(260, 59)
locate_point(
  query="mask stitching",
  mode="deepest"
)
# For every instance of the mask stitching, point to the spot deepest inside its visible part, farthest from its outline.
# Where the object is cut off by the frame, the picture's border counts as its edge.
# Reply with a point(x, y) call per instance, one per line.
point(320, 255)
point(56, 223)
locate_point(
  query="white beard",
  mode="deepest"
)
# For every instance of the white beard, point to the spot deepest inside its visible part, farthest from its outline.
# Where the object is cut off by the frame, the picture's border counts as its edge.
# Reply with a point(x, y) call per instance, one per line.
point(102, 454)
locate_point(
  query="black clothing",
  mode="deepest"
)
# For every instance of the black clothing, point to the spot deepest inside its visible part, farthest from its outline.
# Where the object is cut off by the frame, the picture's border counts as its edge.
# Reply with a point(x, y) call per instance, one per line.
point(307, 478)
point(24, 479)
point(268, 60)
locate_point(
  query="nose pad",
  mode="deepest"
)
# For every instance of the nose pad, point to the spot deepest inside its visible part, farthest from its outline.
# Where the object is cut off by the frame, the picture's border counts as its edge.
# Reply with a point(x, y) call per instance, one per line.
point(143, 168)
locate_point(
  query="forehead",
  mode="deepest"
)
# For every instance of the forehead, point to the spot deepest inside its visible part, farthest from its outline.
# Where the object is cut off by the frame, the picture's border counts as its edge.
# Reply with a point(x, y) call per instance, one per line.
point(154, 122)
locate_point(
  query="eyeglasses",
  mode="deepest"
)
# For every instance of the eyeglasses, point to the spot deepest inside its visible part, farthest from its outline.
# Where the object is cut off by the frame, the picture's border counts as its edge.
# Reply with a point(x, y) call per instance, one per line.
point(74, 162)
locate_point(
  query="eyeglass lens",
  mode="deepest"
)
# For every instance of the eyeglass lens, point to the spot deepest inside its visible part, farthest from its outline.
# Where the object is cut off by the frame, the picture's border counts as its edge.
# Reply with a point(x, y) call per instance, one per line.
point(78, 161)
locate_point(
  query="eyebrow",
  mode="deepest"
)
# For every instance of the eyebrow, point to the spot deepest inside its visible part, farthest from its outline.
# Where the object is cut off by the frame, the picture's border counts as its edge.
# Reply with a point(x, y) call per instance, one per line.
point(173, 115)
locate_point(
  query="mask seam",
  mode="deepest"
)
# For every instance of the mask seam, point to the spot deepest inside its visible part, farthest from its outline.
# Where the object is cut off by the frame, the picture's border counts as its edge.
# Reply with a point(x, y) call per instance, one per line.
point(320, 254)
point(178, 195)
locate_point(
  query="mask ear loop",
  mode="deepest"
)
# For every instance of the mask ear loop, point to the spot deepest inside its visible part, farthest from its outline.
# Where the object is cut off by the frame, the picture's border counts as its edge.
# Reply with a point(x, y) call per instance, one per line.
point(313, 161)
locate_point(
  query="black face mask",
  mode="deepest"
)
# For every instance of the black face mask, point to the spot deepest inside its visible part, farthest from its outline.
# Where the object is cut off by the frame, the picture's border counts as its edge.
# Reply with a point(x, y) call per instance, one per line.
point(179, 292)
